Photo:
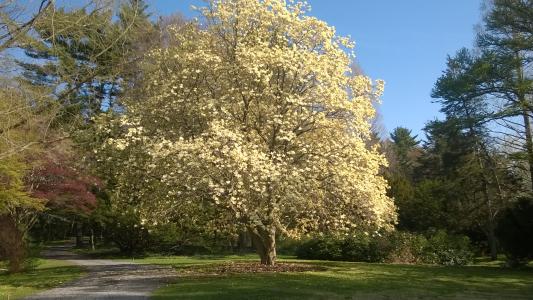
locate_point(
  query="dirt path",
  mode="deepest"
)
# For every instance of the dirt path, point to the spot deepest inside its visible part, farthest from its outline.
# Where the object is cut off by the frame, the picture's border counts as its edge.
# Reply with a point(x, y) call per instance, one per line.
point(106, 279)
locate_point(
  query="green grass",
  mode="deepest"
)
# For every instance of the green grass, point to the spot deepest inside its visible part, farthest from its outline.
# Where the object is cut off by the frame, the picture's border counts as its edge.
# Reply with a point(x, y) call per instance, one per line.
point(49, 273)
point(344, 280)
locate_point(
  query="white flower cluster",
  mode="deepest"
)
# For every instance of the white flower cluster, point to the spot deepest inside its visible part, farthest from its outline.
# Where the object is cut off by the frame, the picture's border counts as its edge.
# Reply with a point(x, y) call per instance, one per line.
point(257, 113)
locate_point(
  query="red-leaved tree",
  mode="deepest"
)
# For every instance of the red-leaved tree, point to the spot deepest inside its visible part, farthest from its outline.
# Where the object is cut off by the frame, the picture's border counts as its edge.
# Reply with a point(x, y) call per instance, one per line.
point(67, 189)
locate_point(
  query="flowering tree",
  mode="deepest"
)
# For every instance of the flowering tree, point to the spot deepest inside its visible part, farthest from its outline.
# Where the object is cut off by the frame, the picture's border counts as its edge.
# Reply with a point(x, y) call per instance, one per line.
point(255, 114)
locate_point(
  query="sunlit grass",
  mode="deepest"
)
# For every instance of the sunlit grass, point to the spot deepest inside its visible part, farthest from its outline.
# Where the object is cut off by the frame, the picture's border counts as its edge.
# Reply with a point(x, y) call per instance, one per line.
point(49, 273)
point(344, 280)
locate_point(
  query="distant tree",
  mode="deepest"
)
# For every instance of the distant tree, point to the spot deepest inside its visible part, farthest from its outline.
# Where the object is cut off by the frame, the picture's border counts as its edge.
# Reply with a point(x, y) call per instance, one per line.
point(506, 41)
point(402, 153)
point(70, 72)
point(458, 92)
point(430, 198)
point(477, 182)
point(462, 92)
point(403, 145)
point(14, 200)
point(490, 90)
point(87, 66)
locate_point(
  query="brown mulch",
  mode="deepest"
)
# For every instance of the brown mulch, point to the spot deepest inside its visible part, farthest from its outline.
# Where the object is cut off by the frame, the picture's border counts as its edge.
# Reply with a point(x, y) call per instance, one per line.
point(247, 267)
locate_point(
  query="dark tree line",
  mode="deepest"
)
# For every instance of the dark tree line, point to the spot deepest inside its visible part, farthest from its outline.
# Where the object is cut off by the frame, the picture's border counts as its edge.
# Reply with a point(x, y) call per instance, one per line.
point(476, 165)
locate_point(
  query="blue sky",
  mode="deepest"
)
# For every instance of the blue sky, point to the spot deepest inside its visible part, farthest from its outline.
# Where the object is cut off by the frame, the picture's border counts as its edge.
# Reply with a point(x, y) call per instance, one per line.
point(403, 42)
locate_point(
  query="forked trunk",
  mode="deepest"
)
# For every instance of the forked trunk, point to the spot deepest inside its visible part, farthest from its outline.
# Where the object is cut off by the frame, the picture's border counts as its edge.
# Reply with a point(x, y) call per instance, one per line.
point(264, 242)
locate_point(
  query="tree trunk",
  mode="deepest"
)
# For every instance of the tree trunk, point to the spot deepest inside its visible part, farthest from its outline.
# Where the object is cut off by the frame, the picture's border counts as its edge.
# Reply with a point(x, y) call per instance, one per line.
point(493, 242)
point(525, 105)
point(12, 244)
point(69, 233)
point(79, 235)
point(264, 242)
point(529, 144)
point(92, 239)
point(491, 236)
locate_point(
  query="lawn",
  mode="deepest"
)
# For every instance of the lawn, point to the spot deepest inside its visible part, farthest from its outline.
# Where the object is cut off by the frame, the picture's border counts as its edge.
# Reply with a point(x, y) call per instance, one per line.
point(344, 280)
point(47, 274)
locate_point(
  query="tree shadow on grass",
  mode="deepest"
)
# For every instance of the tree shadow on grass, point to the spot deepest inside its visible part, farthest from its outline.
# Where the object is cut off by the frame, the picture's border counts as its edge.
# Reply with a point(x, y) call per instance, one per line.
point(361, 281)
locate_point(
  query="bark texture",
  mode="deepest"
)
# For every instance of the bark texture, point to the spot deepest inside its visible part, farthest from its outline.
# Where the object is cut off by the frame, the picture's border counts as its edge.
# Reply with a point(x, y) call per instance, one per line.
point(264, 242)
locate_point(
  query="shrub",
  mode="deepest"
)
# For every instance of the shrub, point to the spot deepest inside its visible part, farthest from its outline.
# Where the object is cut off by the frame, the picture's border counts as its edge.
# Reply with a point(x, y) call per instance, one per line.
point(287, 246)
point(404, 247)
point(126, 231)
point(515, 230)
point(393, 247)
point(321, 247)
point(446, 249)
point(359, 247)
point(173, 239)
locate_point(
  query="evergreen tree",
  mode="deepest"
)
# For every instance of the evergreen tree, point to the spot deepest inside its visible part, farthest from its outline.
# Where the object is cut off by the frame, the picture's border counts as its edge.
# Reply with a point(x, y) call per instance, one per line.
point(404, 144)
point(462, 140)
point(506, 43)
point(87, 66)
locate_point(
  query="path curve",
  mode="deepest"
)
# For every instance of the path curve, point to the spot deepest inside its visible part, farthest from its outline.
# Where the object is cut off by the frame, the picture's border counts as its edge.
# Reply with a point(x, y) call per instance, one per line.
point(106, 279)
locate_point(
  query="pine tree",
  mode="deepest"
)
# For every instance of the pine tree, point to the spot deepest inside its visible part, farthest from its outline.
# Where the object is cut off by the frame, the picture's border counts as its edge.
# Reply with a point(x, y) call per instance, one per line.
point(88, 66)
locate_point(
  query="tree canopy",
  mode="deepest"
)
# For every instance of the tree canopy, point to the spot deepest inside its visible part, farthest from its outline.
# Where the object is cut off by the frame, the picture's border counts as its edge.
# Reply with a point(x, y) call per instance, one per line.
point(262, 120)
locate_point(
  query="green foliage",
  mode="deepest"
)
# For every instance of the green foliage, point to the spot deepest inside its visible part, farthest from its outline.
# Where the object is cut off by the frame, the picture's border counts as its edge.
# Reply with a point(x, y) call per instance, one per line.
point(508, 25)
point(14, 197)
point(404, 144)
point(480, 150)
point(403, 247)
point(422, 205)
point(360, 248)
point(397, 247)
point(446, 249)
point(13, 192)
point(86, 55)
point(515, 230)
point(457, 92)
point(462, 181)
point(174, 238)
point(322, 248)
point(428, 208)
point(125, 229)
point(286, 245)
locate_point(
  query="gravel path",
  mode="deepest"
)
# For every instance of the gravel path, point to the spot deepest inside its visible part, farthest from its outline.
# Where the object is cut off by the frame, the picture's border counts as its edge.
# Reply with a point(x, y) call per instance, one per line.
point(106, 279)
